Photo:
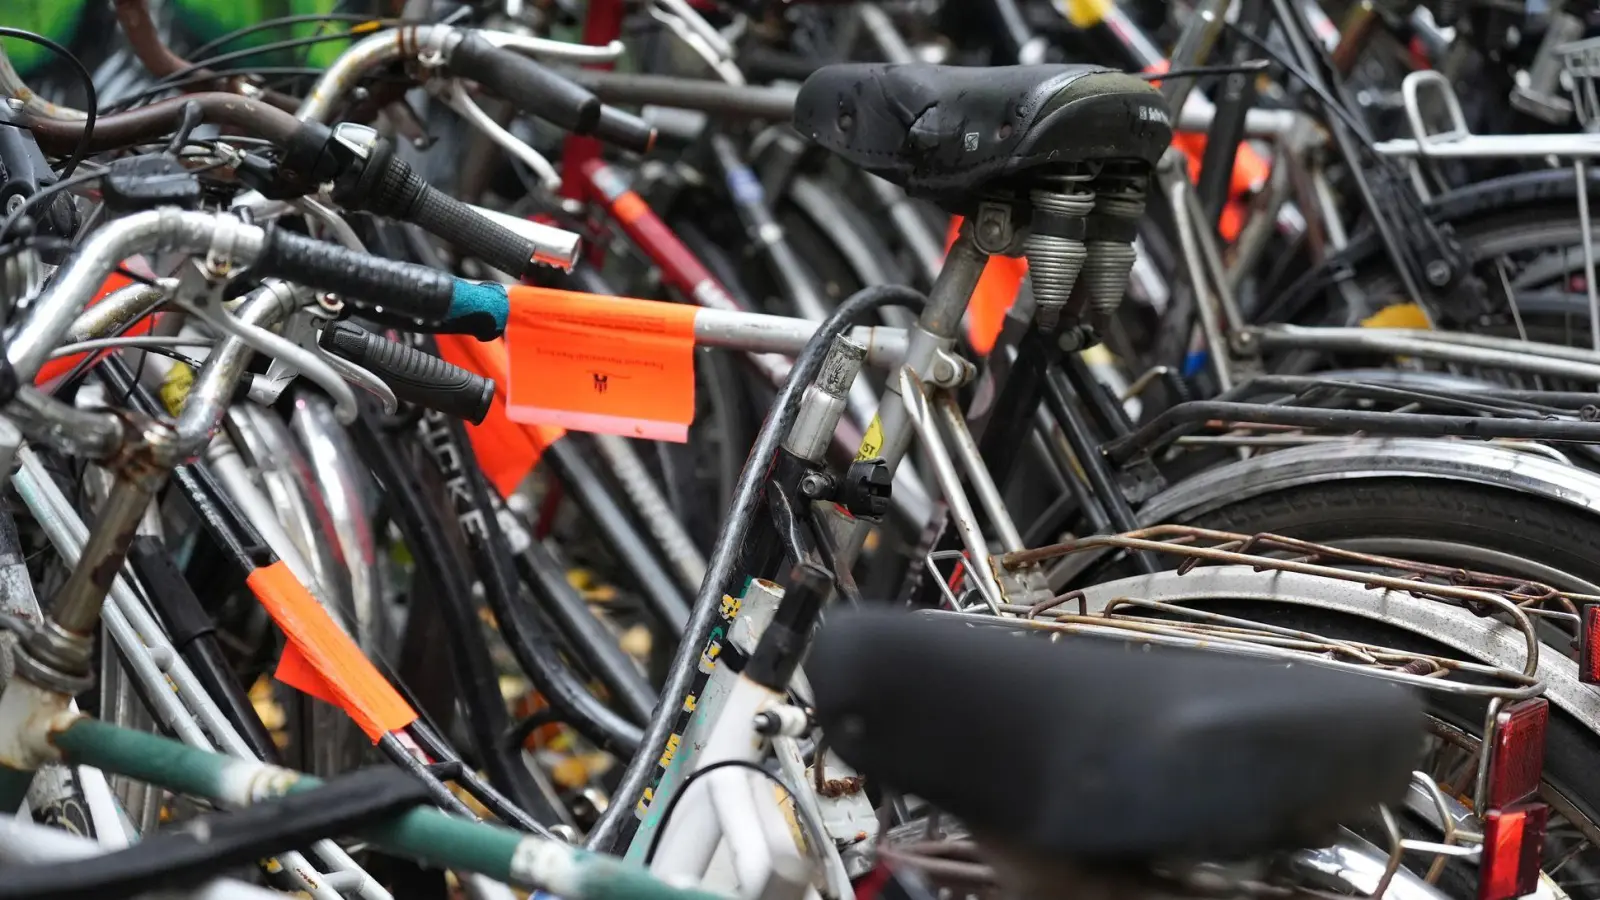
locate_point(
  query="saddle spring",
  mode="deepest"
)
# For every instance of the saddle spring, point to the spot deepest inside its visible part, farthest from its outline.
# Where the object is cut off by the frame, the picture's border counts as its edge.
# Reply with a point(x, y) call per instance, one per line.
point(1119, 197)
point(1055, 247)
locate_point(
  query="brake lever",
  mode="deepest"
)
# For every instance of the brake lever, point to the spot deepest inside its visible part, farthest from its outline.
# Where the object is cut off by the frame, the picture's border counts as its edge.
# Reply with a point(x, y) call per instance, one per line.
point(301, 329)
point(454, 94)
point(545, 48)
point(277, 348)
point(696, 33)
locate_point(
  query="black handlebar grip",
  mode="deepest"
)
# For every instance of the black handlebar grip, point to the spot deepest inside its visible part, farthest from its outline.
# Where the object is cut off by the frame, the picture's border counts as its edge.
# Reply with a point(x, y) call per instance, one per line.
point(625, 130)
point(532, 87)
point(398, 289)
point(395, 190)
point(414, 375)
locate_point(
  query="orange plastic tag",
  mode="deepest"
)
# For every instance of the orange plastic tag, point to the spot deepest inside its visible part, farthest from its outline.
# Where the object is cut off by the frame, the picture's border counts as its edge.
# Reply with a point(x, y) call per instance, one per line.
point(506, 451)
point(992, 298)
point(322, 660)
point(610, 365)
point(55, 368)
point(1250, 171)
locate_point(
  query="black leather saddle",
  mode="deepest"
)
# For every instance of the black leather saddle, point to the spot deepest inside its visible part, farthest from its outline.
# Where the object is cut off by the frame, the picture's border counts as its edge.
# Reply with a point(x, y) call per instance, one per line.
point(1101, 751)
point(947, 131)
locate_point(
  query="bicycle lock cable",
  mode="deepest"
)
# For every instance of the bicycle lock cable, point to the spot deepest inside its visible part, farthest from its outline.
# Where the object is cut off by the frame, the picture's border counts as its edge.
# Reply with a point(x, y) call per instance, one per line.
point(724, 557)
point(530, 642)
point(423, 527)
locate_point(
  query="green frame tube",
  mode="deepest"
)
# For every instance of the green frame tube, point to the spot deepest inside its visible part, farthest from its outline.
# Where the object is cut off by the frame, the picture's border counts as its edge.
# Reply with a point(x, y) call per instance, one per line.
point(423, 834)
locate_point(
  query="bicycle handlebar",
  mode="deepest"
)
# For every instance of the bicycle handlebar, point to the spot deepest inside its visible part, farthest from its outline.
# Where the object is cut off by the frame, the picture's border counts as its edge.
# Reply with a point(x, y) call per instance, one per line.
point(150, 122)
point(410, 294)
point(420, 295)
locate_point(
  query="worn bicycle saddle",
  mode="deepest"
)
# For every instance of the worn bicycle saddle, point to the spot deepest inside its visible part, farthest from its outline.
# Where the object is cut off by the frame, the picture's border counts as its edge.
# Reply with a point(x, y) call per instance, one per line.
point(1101, 751)
point(945, 132)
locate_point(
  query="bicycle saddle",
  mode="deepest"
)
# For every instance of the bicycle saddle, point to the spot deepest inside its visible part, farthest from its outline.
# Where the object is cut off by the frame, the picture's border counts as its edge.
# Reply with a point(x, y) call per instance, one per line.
point(1104, 752)
point(946, 131)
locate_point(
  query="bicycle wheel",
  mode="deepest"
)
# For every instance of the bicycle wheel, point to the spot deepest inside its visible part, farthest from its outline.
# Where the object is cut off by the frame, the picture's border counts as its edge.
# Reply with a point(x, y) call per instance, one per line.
point(1447, 522)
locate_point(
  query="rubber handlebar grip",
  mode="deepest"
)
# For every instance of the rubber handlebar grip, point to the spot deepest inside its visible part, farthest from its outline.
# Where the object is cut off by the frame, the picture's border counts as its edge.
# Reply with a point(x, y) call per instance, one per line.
point(415, 376)
point(399, 192)
point(530, 86)
point(401, 289)
point(625, 130)
point(404, 294)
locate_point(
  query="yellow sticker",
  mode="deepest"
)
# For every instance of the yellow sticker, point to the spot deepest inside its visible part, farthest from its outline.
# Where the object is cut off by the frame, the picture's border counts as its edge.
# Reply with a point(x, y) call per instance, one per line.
point(174, 388)
point(1400, 315)
point(872, 442)
point(1084, 13)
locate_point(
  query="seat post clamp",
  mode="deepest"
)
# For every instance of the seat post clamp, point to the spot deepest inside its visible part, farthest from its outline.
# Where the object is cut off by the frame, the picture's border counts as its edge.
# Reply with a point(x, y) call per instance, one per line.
point(994, 230)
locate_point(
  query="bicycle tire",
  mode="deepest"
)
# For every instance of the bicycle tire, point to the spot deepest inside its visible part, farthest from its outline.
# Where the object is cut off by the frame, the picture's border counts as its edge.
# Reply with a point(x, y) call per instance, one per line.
point(1513, 205)
point(1445, 512)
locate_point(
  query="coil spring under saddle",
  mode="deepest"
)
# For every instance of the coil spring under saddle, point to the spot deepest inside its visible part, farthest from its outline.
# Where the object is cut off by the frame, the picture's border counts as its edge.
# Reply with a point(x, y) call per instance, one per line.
point(1055, 246)
point(1110, 230)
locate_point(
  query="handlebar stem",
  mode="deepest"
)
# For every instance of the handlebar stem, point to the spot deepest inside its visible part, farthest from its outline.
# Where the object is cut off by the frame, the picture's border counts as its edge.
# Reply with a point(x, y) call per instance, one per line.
point(212, 391)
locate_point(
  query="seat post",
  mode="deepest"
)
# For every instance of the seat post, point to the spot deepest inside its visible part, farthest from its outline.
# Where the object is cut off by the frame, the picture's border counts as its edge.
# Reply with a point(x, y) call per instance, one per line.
point(935, 332)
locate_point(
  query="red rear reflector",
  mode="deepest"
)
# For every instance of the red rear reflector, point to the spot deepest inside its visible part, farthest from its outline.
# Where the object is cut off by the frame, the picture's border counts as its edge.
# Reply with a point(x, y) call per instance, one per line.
point(1513, 847)
point(1518, 757)
point(1589, 645)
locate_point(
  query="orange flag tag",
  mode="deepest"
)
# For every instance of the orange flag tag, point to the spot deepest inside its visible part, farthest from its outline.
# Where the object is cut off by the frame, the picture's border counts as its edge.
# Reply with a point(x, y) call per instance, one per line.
point(608, 365)
point(506, 451)
point(321, 660)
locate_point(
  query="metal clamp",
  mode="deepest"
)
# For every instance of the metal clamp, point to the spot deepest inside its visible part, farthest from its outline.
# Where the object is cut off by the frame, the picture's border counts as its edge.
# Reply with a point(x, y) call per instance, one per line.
point(1411, 90)
point(695, 32)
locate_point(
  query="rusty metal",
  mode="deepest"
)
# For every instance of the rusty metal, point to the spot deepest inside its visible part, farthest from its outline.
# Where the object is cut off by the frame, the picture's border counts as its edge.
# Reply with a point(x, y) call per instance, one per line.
point(840, 787)
point(1482, 593)
point(1151, 621)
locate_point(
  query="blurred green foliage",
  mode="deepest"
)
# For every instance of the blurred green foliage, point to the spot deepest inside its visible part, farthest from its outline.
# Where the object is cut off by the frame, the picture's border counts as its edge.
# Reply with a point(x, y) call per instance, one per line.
point(197, 21)
point(55, 19)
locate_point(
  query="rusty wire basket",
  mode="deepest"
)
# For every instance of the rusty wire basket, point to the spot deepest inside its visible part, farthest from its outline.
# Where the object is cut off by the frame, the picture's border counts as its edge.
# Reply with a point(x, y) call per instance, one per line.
point(1153, 620)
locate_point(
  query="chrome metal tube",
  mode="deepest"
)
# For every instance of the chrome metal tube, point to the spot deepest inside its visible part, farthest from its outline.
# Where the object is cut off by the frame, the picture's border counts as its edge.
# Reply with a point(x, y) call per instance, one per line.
point(1401, 343)
point(1270, 124)
point(212, 392)
point(824, 401)
point(761, 333)
point(915, 397)
point(344, 485)
point(1175, 180)
point(966, 451)
point(1353, 864)
point(115, 311)
point(79, 280)
point(934, 332)
point(1194, 48)
point(362, 56)
point(388, 46)
point(559, 51)
point(76, 432)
